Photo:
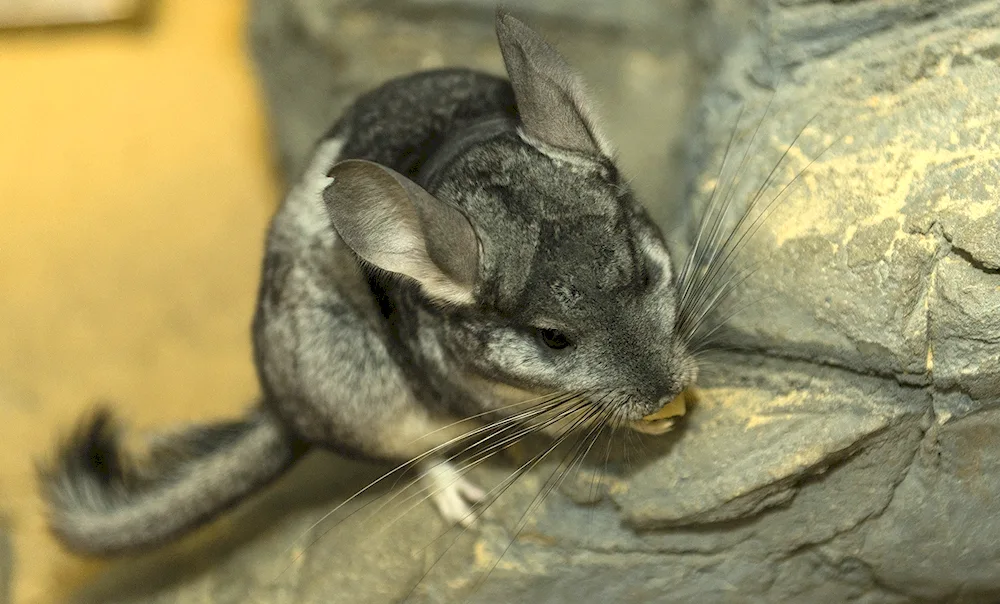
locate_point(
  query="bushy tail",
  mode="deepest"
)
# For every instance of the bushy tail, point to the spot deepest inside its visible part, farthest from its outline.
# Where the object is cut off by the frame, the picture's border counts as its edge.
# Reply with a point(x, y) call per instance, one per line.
point(101, 503)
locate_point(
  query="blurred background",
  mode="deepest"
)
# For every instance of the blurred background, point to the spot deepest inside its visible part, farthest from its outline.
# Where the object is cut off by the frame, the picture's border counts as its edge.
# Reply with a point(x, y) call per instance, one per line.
point(143, 147)
point(135, 187)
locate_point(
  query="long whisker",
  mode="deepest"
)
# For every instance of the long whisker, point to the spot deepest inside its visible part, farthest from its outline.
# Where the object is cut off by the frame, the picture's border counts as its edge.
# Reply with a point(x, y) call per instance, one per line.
point(400, 468)
point(481, 456)
point(503, 486)
point(710, 293)
point(684, 278)
point(706, 342)
point(553, 402)
point(487, 432)
point(709, 270)
point(762, 218)
point(593, 435)
point(604, 473)
point(547, 488)
point(494, 493)
point(539, 399)
point(601, 425)
point(731, 193)
point(720, 295)
point(714, 268)
point(496, 447)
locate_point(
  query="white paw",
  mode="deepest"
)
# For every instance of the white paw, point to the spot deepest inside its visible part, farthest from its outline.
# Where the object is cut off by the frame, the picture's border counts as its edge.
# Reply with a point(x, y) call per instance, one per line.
point(451, 494)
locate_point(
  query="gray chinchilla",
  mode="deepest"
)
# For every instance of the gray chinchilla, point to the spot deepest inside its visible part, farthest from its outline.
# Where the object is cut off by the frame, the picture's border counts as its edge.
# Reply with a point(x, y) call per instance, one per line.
point(460, 246)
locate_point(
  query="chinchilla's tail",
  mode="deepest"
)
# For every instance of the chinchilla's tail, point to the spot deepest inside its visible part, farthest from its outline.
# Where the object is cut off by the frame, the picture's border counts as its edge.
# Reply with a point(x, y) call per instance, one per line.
point(100, 502)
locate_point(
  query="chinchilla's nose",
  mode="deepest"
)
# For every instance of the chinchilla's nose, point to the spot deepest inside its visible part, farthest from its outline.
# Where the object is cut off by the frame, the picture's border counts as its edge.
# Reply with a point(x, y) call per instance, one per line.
point(666, 383)
point(663, 391)
point(671, 407)
point(655, 386)
point(681, 373)
point(662, 401)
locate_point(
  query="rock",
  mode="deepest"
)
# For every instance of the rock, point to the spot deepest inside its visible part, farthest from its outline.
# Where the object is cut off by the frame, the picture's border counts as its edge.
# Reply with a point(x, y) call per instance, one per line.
point(686, 537)
point(883, 260)
point(863, 251)
point(938, 538)
point(849, 452)
point(797, 426)
point(965, 328)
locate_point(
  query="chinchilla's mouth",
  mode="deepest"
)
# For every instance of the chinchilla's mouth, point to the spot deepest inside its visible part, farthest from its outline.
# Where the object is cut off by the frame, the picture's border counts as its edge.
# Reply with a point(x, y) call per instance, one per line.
point(666, 417)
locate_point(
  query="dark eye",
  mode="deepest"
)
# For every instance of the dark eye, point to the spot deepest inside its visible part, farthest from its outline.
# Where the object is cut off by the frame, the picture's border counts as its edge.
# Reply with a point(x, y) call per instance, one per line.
point(554, 338)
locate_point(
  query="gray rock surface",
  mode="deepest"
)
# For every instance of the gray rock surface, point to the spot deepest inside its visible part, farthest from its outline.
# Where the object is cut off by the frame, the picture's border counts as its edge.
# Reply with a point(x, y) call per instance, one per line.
point(850, 453)
point(884, 253)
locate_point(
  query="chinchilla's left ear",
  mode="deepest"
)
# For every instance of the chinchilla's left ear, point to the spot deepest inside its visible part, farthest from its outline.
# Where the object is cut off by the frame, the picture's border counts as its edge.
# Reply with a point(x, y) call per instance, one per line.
point(550, 95)
point(396, 226)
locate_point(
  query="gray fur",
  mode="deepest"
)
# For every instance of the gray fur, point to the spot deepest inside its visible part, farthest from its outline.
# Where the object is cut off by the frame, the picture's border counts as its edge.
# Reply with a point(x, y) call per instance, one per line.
point(101, 503)
point(554, 107)
point(406, 274)
point(393, 224)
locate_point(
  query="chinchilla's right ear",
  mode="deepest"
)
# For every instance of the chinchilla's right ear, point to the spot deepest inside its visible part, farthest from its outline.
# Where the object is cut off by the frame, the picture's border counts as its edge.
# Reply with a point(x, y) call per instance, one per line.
point(551, 100)
point(395, 225)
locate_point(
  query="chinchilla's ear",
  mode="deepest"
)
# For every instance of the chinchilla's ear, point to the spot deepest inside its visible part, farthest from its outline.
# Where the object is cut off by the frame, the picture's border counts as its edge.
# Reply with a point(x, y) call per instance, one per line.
point(394, 225)
point(550, 95)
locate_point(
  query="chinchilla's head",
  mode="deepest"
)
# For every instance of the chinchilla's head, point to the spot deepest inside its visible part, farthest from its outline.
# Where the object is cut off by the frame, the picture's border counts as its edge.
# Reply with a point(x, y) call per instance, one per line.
point(547, 275)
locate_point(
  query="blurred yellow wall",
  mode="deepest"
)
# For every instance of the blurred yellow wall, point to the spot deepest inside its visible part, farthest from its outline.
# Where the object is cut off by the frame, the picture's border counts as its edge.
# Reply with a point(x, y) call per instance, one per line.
point(135, 186)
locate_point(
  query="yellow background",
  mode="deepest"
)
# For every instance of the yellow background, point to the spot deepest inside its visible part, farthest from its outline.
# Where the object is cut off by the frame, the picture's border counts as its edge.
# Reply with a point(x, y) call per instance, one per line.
point(135, 186)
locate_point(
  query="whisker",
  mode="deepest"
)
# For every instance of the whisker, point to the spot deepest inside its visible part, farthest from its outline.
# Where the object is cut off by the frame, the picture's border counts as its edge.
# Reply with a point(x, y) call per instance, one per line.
point(598, 426)
point(711, 270)
point(626, 447)
point(706, 337)
point(683, 278)
point(593, 435)
point(541, 398)
point(478, 458)
point(510, 423)
point(710, 291)
point(544, 492)
point(713, 239)
point(765, 214)
point(503, 486)
point(398, 470)
point(722, 293)
point(756, 198)
point(604, 473)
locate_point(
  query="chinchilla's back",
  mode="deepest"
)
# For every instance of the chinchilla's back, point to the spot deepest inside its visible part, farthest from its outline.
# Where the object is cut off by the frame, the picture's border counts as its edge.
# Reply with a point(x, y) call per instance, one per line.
point(403, 122)
point(400, 124)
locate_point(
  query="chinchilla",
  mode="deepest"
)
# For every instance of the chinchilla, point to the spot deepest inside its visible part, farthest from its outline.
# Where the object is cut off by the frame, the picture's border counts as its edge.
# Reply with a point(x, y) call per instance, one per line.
point(460, 247)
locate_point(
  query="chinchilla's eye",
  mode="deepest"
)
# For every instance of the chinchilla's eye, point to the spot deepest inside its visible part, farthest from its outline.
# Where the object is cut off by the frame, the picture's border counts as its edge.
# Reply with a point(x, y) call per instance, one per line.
point(553, 338)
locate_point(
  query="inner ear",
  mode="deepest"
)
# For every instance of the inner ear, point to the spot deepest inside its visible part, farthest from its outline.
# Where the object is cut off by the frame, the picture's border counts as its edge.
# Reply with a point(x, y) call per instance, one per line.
point(395, 225)
point(550, 95)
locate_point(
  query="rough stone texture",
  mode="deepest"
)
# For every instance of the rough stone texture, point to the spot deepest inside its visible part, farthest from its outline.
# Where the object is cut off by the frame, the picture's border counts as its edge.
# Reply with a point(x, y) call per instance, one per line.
point(851, 453)
point(883, 259)
point(869, 250)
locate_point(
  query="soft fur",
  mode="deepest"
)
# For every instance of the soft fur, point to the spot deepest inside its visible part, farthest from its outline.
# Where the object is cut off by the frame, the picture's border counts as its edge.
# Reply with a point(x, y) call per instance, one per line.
point(374, 332)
